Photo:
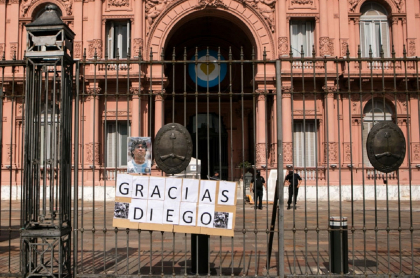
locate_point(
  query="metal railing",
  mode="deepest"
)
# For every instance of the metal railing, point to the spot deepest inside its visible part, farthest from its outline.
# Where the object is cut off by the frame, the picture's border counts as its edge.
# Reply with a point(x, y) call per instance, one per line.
point(257, 105)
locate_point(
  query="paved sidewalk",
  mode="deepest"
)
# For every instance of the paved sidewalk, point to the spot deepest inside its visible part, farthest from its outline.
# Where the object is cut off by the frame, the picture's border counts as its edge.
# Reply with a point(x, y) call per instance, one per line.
point(371, 250)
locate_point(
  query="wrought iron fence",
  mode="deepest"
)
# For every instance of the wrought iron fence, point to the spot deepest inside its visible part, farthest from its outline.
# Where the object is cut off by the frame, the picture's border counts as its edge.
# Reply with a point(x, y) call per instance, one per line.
point(279, 115)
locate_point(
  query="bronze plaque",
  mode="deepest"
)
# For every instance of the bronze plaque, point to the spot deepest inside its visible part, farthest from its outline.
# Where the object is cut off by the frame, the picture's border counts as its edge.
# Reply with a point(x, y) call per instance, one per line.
point(385, 147)
point(173, 148)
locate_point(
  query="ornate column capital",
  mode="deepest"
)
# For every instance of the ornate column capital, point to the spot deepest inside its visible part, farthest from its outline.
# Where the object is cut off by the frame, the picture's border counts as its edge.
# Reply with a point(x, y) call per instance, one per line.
point(330, 89)
point(286, 91)
point(159, 94)
point(92, 92)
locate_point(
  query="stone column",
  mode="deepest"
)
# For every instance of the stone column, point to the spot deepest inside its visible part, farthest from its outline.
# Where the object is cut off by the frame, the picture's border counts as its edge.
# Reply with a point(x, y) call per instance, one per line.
point(352, 41)
point(286, 108)
point(92, 124)
point(414, 132)
point(78, 29)
point(273, 145)
point(283, 40)
point(96, 42)
point(139, 112)
point(324, 40)
point(261, 123)
point(344, 26)
point(13, 29)
point(159, 109)
point(395, 38)
point(330, 142)
point(2, 27)
point(137, 28)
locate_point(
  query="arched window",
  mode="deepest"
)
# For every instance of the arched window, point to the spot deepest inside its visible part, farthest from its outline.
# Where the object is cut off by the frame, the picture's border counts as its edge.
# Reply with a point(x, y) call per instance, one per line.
point(376, 110)
point(374, 29)
point(41, 9)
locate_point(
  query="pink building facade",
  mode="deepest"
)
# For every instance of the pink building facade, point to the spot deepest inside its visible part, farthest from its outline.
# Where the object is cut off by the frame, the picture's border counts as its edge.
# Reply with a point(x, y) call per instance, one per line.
point(327, 108)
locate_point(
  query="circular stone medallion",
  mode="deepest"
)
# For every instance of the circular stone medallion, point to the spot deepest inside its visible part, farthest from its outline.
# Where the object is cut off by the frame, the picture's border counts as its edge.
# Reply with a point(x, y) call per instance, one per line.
point(173, 148)
point(386, 146)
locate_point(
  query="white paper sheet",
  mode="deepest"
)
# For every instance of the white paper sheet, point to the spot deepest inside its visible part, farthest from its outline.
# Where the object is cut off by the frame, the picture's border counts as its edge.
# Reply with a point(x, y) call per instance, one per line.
point(123, 186)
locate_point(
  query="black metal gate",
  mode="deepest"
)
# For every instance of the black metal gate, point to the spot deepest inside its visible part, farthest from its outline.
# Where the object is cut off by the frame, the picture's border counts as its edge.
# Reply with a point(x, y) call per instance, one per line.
point(310, 115)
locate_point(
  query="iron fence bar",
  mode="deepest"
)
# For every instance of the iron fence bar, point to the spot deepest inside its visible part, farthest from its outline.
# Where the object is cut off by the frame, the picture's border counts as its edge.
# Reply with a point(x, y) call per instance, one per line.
point(82, 128)
point(231, 134)
point(140, 95)
point(76, 173)
point(94, 100)
point(2, 95)
point(280, 157)
point(350, 99)
point(304, 161)
point(367, 228)
point(339, 100)
point(195, 237)
point(243, 156)
point(316, 158)
point(173, 88)
point(265, 100)
point(105, 151)
point(46, 136)
point(418, 114)
point(398, 181)
point(253, 194)
point(362, 151)
point(291, 199)
point(12, 97)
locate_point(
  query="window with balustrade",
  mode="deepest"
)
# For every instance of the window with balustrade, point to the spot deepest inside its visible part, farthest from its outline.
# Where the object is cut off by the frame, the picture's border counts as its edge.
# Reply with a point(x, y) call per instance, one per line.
point(118, 38)
point(302, 37)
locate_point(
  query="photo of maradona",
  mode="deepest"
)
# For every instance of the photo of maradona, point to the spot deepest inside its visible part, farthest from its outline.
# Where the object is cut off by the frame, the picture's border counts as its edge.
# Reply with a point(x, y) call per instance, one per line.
point(139, 156)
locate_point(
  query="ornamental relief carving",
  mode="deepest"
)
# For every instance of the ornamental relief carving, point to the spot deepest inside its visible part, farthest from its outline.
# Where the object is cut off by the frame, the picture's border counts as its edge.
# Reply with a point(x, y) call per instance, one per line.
point(353, 5)
point(95, 45)
point(13, 50)
point(266, 8)
point(302, 2)
point(28, 4)
point(411, 47)
point(2, 49)
point(202, 4)
point(261, 153)
point(92, 151)
point(416, 151)
point(288, 153)
point(77, 50)
point(283, 46)
point(347, 152)
point(153, 9)
point(137, 45)
point(344, 46)
point(118, 3)
point(399, 5)
point(332, 148)
point(326, 46)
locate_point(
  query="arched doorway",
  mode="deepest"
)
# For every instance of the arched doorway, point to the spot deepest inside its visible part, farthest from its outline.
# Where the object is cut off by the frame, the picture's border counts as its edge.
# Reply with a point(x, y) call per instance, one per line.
point(189, 101)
